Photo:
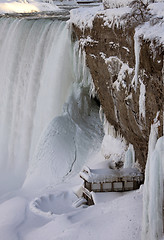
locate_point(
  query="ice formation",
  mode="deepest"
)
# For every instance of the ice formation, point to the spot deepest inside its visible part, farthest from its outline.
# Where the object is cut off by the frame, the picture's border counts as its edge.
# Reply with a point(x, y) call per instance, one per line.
point(129, 157)
point(153, 188)
point(137, 57)
point(113, 146)
point(119, 68)
point(142, 101)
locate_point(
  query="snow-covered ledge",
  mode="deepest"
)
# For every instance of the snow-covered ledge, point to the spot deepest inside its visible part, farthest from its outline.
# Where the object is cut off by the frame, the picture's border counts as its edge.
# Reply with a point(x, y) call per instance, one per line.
point(123, 3)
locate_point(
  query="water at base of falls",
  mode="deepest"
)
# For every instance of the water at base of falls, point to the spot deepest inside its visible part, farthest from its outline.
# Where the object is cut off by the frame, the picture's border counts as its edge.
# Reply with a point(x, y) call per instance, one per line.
point(35, 76)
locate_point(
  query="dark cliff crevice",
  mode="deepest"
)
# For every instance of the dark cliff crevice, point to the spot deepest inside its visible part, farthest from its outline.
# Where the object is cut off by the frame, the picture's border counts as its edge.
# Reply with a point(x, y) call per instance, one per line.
point(110, 56)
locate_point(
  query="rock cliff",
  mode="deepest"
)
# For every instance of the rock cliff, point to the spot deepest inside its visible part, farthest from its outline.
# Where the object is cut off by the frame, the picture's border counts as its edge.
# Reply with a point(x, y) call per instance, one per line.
point(126, 64)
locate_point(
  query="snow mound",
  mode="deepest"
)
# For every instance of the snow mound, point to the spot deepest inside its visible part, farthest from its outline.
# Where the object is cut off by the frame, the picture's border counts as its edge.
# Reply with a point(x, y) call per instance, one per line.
point(53, 204)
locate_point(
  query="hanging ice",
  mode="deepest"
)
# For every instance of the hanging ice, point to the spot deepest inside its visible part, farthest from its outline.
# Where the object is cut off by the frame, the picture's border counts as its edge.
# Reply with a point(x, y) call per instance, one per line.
point(129, 157)
point(142, 101)
point(137, 57)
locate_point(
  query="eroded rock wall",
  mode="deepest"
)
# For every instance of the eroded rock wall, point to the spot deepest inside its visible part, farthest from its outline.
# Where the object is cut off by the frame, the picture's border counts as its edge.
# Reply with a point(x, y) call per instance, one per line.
point(131, 99)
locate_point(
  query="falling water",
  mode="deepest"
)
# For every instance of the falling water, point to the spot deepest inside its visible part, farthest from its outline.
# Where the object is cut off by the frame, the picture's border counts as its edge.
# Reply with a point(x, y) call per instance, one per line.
point(35, 76)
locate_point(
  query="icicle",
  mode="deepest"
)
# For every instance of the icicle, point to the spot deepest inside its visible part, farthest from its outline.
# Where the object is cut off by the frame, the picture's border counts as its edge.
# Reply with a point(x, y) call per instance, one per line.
point(129, 157)
point(81, 71)
point(142, 101)
point(137, 48)
point(108, 128)
point(92, 90)
point(101, 114)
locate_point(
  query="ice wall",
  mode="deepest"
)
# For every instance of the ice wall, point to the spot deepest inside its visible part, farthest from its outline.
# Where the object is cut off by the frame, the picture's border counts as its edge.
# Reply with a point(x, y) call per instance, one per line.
point(153, 188)
point(35, 76)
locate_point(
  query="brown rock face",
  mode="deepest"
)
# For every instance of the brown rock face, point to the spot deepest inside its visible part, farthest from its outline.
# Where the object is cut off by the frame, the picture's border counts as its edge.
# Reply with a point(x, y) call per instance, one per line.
point(111, 60)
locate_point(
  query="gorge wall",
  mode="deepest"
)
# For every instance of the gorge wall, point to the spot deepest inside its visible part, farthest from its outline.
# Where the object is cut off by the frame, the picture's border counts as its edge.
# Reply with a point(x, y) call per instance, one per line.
point(126, 64)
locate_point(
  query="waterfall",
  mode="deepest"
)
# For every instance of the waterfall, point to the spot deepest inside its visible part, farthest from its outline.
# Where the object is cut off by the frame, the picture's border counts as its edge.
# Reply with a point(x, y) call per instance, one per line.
point(35, 77)
point(41, 142)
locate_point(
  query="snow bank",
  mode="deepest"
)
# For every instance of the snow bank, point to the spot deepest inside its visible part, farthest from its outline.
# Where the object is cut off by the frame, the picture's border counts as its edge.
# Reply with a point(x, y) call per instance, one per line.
point(153, 29)
point(119, 218)
point(83, 18)
point(13, 213)
point(149, 32)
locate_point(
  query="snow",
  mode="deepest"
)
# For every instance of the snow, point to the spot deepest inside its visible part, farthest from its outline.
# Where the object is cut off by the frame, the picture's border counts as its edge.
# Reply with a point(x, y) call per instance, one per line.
point(116, 3)
point(157, 8)
point(109, 175)
point(113, 148)
point(153, 30)
point(83, 18)
point(100, 197)
point(119, 68)
point(54, 204)
point(112, 17)
point(87, 41)
point(79, 223)
point(13, 213)
point(121, 211)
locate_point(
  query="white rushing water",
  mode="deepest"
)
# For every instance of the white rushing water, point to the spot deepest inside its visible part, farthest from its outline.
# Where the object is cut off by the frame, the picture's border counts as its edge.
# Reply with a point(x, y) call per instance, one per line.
point(35, 76)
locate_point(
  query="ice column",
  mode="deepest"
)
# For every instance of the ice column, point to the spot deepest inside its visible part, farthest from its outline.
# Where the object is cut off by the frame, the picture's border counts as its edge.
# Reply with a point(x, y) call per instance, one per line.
point(153, 188)
point(137, 57)
point(129, 157)
point(142, 101)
